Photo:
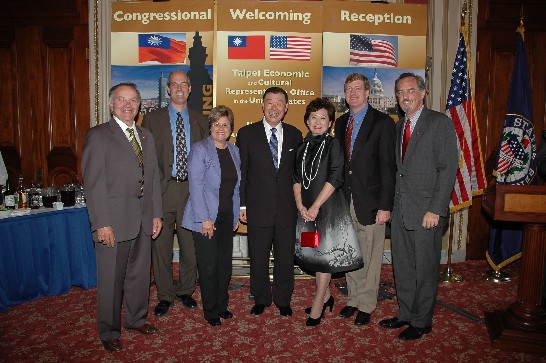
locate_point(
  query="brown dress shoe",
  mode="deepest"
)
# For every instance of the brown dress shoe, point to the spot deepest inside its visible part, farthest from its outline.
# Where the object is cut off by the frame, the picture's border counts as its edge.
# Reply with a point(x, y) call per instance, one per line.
point(146, 329)
point(113, 345)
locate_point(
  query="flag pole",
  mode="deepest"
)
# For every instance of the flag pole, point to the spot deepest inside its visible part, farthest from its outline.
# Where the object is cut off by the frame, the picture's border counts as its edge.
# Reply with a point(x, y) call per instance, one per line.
point(448, 275)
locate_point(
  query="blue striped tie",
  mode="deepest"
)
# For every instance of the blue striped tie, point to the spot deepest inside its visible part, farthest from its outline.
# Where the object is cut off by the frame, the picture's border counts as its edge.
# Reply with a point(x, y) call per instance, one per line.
point(274, 146)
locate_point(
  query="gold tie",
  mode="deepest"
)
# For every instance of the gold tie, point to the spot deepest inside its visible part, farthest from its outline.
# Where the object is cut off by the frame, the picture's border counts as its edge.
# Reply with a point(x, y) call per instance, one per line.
point(138, 153)
point(136, 147)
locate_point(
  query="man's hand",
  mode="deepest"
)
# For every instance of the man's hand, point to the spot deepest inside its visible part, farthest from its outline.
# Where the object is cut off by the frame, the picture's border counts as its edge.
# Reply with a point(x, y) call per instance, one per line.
point(242, 215)
point(106, 236)
point(430, 220)
point(382, 217)
point(207, 228)
point(158, 225)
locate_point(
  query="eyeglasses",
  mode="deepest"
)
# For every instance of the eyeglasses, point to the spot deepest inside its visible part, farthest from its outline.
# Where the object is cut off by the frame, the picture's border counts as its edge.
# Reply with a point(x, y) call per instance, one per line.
point(179, 85)
point(218, 125)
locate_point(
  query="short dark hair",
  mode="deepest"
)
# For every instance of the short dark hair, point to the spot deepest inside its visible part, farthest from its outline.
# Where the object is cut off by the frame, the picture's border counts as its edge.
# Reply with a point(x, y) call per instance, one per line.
point(220, 111)
point(357, 77)
point(275, 90)
point(319, 104)
point(420, 81)
point(123, 84)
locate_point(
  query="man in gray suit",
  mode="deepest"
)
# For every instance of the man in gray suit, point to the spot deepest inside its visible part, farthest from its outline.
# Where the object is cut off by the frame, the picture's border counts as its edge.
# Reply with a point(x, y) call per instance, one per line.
point(426, 158)
point(124, 204)
point(172, 158)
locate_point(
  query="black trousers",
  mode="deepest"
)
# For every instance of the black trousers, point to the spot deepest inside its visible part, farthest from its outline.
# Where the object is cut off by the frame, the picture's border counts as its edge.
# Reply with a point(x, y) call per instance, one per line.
point(214, 264)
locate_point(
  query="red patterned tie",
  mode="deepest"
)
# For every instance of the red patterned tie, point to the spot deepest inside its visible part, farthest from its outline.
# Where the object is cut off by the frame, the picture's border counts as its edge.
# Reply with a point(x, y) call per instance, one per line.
point(348, 136)
point(407, 135)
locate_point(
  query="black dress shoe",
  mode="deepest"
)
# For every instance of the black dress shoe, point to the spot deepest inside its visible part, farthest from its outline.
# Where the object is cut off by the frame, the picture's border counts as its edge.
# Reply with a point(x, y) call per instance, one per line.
point(347, 311)
point(226, 315)
point(113, 345)
point(146, 329)
point(257, 309)
point(162, 307)
point(285, 310)
point(362, 318)
point(188, 301)
point(214, 322)
point(414, 333)
point(393, 323)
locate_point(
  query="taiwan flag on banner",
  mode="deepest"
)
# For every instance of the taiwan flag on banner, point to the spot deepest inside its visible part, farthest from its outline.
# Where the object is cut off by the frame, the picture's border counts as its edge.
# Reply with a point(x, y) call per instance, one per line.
point(246, 47)
point(160, 49)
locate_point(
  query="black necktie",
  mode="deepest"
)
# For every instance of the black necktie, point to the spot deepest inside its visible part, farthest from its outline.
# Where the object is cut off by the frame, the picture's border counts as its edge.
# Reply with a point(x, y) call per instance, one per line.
point(181, 149)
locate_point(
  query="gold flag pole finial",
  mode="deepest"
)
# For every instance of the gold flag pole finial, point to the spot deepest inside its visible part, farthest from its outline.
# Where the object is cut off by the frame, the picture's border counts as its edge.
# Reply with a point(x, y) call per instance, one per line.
point(521, 28)
point(463, 14)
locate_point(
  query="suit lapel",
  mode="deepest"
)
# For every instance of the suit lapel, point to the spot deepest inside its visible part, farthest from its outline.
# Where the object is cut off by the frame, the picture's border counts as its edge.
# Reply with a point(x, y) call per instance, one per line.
point(417, 134)
point(363, 132)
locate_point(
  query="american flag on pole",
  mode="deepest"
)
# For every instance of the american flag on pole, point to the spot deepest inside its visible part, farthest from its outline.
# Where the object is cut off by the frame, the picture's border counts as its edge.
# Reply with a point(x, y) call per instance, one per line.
point(290, 47)
point(367, 52)
point(460, 108)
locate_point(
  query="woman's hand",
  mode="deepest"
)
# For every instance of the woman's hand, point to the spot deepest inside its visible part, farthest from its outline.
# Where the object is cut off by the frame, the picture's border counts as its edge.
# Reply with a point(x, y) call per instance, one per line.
point(312, 213)
point(208, 228)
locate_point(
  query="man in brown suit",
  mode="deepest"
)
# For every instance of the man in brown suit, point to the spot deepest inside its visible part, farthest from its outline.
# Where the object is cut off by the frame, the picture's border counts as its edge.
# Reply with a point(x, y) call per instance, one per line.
point(175, 191)
point(124, 204)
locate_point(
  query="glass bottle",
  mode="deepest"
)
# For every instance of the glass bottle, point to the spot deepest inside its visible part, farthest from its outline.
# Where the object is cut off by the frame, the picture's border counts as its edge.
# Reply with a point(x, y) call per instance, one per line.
point(22, 196)
point(33, 196)
point(9, 197)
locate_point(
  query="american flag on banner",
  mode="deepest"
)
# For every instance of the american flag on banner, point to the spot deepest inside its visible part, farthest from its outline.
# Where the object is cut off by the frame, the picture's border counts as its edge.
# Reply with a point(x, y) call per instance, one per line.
point(460, 108)
point(368, 52)
point(290, 47)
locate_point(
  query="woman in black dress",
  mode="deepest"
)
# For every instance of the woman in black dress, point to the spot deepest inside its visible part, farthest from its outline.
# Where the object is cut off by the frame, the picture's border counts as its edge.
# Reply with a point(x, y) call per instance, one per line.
point(317, 180)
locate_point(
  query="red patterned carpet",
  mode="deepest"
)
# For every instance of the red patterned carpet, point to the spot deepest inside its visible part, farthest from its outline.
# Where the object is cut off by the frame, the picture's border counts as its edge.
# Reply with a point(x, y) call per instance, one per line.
point(63, 329)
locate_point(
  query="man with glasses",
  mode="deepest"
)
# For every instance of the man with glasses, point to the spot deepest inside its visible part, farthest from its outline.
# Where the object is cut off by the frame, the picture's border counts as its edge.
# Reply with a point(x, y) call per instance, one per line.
point(368, 139)
point(175, 129)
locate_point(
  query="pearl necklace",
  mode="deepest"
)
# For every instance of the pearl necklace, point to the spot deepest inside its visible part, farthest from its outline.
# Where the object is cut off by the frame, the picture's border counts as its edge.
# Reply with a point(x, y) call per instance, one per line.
point(308, 178)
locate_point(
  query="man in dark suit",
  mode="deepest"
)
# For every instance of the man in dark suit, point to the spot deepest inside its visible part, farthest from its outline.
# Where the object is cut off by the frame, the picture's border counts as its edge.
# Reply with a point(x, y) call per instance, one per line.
point(172, 158)
point(124, 204)
point(268, 152)
point(368, 139)
point(427, 159)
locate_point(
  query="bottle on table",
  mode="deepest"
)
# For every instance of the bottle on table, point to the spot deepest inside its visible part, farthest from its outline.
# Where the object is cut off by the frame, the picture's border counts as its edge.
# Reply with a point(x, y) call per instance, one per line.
point(9, 197)
point(22, 195)
point(33, 196)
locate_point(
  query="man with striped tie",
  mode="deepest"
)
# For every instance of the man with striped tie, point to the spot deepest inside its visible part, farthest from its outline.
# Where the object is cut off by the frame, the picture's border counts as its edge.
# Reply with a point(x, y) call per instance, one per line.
point(121, 179)
point(368, 139)
point(268, 154)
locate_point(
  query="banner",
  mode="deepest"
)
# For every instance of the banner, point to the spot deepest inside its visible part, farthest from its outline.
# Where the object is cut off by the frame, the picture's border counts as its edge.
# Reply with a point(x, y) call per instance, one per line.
point(149, 40)
point(516, 157)
point(470, 179)
point(265, 44)
point(380, 41)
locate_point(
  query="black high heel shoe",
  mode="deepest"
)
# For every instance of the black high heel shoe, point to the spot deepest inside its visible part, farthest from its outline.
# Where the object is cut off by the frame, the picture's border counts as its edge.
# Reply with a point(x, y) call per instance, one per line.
point(329, 303)
point(313, 322)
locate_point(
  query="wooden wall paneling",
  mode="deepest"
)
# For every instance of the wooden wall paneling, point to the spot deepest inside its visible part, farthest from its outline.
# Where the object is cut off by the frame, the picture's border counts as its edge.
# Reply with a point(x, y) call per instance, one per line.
point(8, 96)
point(61, 155)
point(31, 99)
point(80, 97)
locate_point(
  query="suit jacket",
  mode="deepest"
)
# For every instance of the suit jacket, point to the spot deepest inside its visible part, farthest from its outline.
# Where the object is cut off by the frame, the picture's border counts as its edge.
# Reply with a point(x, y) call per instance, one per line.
point(204, 175)
point(267, 193)
point(112, 176)
point(425, 178)
point(370, 175)
point(158, 122)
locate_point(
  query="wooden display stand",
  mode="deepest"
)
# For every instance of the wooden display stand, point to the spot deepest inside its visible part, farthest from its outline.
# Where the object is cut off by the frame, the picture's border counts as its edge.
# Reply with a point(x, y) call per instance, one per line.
point(521, 327)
